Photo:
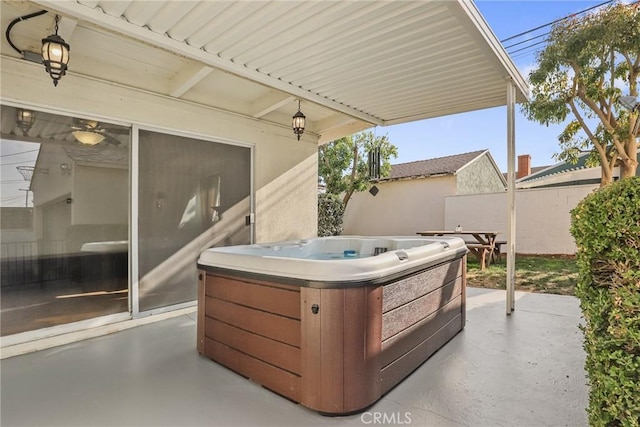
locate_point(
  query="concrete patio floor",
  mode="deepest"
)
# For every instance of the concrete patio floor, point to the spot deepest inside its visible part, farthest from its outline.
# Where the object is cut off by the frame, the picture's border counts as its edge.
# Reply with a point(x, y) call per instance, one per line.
point(520, 370)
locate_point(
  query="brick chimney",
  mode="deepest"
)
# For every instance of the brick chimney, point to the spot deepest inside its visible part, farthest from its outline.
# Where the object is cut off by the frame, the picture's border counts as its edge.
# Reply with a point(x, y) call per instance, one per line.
point(524, 166)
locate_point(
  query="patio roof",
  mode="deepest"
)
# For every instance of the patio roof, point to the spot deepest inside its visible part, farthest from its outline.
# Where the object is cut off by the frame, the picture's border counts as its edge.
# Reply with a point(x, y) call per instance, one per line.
point(353, 64)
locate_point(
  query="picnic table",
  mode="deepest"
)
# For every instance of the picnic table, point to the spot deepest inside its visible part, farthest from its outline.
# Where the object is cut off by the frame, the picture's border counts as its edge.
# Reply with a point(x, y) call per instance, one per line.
point(485, 247)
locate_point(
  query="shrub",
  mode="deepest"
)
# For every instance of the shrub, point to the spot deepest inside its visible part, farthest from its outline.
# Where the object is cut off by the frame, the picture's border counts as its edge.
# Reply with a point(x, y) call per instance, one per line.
point(330, 212)
point(606, 227)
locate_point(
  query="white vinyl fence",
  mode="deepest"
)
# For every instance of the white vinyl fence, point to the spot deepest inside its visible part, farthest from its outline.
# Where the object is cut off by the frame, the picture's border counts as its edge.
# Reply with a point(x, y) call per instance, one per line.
point(542, 216)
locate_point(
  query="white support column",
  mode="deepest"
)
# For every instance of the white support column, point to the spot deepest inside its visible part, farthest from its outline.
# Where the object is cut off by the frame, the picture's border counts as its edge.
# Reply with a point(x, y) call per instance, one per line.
point(134, 174)
point(511, 197)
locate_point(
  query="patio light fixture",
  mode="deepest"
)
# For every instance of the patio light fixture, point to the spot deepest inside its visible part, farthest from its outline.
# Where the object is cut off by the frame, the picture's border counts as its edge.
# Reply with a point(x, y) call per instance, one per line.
point(25, 119)
point(299, 121)
point(88, 137)
point(55, 55)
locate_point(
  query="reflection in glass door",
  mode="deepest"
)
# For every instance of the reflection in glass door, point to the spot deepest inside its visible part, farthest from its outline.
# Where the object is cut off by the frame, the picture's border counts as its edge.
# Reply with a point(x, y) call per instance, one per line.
point(64, 220)
point(192, 194)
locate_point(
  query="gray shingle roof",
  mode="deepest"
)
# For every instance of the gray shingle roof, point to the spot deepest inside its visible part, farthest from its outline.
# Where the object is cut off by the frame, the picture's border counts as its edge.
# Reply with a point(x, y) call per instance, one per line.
point(448, 165)
point(562, 168)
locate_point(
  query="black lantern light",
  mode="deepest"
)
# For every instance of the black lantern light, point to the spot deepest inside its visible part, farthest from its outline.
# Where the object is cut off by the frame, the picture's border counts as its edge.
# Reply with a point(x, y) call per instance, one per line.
point(55, 55)
point(25, 119)
point(299, 121)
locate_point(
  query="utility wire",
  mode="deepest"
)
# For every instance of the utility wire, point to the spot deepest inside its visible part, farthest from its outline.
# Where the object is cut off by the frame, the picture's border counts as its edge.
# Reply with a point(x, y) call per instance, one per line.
point(22, 152)
point(527, 47)
point(553, 22)
point(527, 40)
point(549, 32)
point(18, 163)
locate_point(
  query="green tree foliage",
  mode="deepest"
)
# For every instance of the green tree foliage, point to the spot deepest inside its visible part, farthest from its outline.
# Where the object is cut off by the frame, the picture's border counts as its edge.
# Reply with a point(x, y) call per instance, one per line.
point(330, 212)
point(343, 163)
point(606, 227)
point(588, 63)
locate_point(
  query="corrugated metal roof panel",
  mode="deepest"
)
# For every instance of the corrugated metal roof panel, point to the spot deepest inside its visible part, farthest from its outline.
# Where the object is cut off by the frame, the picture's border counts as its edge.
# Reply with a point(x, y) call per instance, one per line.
point(380, 62)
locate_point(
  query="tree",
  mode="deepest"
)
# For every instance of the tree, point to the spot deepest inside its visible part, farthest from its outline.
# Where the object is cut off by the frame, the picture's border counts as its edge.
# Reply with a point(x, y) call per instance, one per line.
point(330, 213)
point(343, 163)
point(587, 65)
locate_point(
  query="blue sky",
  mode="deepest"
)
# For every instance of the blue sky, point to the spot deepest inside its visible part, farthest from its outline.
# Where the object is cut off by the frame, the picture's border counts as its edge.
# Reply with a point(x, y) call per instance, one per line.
point(477, 130)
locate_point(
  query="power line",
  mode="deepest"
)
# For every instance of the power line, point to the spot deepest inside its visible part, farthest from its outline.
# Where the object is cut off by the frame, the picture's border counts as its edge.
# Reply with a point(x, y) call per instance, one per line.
point(527, 47)
point(553, 22)
point(12, 181)
point(22, 152)
point(527, 40)
point(16, 163)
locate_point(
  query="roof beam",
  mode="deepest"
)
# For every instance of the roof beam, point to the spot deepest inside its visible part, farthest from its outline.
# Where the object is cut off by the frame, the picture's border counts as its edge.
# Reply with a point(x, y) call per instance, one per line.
point(353, 126)
point(335, 121)
point(187, 78)
point(269, 103)
point(66, 26)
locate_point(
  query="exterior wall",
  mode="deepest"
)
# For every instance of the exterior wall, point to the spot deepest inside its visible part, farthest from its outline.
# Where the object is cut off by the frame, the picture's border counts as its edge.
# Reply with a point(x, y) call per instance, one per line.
point(478, 177)
point(400, 208)
point(542, 216)
point(282, 211)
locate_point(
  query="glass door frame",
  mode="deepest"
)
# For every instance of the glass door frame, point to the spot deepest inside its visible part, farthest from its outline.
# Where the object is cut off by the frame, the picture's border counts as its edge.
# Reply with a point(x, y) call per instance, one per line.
point(134, 287)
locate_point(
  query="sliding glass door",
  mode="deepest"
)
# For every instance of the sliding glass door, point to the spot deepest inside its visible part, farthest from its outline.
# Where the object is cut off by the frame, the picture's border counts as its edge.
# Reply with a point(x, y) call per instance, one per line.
point(64, 219)
point(65, 208)
point(192, 194)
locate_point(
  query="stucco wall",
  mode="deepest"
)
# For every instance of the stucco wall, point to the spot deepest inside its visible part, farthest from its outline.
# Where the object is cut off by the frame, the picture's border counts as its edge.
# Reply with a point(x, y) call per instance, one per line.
point(542, 216)
point(279, 157)
point(479, 177)
point(400, 208)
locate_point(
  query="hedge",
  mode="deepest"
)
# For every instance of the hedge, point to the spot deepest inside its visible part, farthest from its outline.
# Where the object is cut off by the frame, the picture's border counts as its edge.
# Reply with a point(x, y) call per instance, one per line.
point(606, 227)
point(330, 212)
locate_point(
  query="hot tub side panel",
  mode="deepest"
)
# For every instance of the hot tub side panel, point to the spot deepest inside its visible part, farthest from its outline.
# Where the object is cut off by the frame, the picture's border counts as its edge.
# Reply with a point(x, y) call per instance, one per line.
point(419, 315)
point(253, 328)
point(341, 343)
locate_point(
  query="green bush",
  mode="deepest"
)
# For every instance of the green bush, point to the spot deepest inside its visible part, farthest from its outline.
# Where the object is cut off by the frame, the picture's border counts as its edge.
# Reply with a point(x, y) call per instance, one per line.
point(606, 227)
point(330, 212)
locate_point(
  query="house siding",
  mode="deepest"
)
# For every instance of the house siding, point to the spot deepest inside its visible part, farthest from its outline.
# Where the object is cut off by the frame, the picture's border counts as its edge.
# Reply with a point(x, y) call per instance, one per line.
point(479, 177)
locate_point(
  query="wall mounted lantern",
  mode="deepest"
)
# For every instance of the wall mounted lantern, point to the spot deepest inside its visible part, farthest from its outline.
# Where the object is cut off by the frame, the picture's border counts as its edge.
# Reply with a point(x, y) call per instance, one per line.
point(25, 119)
point(55, 55)
point(299, 121)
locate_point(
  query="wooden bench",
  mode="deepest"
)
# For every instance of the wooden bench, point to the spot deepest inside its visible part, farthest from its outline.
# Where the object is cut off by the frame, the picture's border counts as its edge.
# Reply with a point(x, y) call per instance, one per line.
point(481, 251)
point(497, 249)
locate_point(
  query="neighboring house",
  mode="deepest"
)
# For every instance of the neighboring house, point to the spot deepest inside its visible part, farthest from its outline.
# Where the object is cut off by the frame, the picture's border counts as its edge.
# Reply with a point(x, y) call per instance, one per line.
point(566, 174)
point(525, 168)
point(412, 197)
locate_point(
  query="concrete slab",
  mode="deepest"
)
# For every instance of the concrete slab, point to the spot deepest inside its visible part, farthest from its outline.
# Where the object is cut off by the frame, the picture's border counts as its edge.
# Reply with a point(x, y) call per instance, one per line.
point(520, 370)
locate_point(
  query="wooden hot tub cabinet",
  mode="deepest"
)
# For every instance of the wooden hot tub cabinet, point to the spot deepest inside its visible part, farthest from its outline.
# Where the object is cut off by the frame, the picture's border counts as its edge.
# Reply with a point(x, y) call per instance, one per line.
point(333, 349)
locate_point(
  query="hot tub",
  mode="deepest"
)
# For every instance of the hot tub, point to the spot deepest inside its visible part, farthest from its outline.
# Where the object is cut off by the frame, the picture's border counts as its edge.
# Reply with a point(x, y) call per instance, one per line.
point(332, 323)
